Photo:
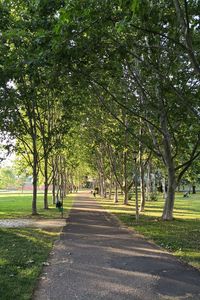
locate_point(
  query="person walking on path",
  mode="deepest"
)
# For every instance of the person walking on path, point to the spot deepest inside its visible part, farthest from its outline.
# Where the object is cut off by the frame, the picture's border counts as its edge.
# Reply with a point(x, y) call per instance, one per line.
point(96, 258)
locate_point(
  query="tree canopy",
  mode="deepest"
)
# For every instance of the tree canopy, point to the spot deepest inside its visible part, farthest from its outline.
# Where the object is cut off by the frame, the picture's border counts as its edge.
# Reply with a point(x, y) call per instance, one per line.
point(112, 85)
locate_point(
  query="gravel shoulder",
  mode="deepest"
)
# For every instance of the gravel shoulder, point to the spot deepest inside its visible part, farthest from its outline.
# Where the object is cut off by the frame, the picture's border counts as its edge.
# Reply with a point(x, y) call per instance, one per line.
point(39, 223)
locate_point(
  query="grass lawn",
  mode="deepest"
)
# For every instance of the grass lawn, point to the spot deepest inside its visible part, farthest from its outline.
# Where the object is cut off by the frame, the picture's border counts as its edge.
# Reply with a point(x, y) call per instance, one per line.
point(180, 236)
point(19, 206)
point(24, 251)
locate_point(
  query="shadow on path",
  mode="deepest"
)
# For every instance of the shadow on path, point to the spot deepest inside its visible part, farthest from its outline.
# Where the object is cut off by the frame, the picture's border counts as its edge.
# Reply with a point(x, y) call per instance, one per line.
point(96, 259)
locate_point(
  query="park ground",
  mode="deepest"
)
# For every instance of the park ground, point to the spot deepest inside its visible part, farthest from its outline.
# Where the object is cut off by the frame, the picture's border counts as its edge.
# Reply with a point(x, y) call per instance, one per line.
point(25, 250)
point(180, 236)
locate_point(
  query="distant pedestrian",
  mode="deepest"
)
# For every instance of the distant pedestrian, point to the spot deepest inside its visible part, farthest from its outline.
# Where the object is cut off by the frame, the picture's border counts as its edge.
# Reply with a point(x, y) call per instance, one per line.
point(94, 194)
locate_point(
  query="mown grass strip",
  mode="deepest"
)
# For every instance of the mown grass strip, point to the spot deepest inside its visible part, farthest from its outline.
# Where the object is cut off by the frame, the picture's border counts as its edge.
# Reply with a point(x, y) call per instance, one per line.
point(19, 206)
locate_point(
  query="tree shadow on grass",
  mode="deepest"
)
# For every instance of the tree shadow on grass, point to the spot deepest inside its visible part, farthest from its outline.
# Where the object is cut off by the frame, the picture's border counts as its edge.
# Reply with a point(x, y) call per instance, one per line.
point(23, 252)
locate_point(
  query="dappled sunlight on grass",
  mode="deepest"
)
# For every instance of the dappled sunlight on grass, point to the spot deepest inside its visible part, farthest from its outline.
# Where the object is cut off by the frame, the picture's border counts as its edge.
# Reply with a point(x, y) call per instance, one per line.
point(188, 208)
point(23, 252)
point(36, 235)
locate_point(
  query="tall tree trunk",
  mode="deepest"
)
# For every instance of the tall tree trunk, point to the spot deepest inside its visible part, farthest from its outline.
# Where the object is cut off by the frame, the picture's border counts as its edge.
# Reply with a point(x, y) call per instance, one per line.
point(110, 186)
point(169, 201)
point(101, 185)
point(65, 183)
point(54, 191)
point(35, 179)
point(105, 189)
point(136, 193)
point(125, 185)
point(54, 184)
point(142, 187)
point(148, 183)
point(125, 158)
point(46, 183)
point(193, 189)
point(116, 194)
point(125, 196)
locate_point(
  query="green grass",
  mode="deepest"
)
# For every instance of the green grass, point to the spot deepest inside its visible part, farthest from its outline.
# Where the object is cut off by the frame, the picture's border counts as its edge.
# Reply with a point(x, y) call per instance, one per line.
point(24, 250)
point(180, 236)
point(15, 205)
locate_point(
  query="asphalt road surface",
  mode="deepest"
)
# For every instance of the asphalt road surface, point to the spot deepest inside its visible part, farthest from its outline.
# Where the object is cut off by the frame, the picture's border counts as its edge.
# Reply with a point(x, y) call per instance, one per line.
point(96, 258)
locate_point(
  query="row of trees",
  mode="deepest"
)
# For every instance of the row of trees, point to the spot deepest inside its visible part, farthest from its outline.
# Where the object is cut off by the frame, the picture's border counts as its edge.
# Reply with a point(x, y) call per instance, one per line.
point(126, 71)
point(144, 73)
point(36, 105)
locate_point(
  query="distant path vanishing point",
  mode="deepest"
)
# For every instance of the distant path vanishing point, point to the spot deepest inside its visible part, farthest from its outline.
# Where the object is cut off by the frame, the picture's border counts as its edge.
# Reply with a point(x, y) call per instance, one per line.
point(97, 259)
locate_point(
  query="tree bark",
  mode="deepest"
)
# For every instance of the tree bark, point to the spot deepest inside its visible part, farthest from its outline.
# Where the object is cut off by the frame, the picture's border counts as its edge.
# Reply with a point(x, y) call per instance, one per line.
point(148, 183)
point(101, 185)
point(46, 183)
point(169, 201)
point(125, 196)
point(116, 194)
point(54, 184)
point(35, 178)
point(110, 186)
point(142, 187)
point(193, 189)
point(136, 194)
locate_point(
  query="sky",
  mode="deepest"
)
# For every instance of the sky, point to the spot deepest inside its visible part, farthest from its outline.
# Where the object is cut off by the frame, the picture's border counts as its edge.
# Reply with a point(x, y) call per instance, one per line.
point(5, 159)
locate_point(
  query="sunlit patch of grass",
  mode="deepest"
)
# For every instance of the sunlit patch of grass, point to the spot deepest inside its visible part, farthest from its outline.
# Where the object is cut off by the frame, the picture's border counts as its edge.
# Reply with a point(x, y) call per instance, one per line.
point(19, 206)
point(180, 236)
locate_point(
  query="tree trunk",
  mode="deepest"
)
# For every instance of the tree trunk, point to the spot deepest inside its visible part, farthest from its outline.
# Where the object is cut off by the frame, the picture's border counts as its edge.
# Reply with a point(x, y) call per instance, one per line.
point(46, 187)
point(65, 182)
point(104, 189)
point(53, 191)
point(136, 194)
point(116, 194)
point(169, 201)
point(46, 184)
point(35, 179)
point(193, 189)
point(164, 188)
point(125, 185)
point(101, 186)
point(148, 184)
point(54, 185)
point(125, 195)
point(169, 163)
point(110, 187)
point(142, 187)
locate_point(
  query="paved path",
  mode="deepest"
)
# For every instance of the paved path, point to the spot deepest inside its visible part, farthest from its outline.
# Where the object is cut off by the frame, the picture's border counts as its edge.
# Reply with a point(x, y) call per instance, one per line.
point(97, 259)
